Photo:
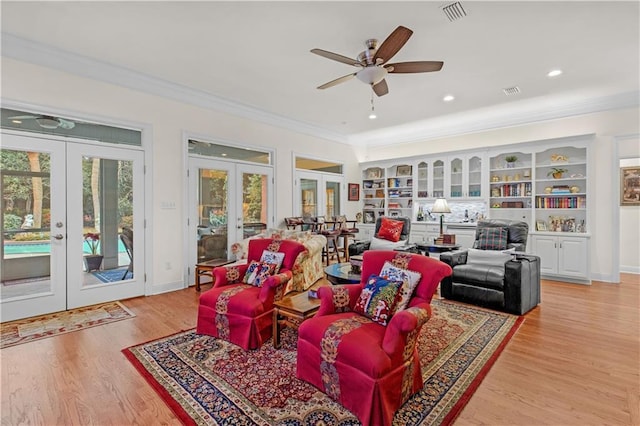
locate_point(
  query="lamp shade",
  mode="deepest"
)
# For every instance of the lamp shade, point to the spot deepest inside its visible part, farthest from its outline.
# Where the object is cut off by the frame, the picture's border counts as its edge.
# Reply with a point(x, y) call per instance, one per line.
point(441, 206)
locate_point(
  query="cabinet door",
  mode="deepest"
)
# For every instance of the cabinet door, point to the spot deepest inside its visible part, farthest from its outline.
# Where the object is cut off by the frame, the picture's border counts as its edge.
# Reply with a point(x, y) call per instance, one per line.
point(547, 248)
point(572, 257)
point(438, 179)
point(465, 237)
point(473, 178)
point(457, 168)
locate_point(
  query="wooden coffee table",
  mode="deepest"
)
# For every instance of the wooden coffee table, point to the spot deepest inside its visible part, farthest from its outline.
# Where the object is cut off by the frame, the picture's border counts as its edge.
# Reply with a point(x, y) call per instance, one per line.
point(206, 268)
point(292, 310)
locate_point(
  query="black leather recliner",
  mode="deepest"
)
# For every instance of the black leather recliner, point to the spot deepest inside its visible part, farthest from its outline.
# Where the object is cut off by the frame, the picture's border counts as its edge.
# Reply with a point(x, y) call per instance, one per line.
point(513, 287)
point(359, 247)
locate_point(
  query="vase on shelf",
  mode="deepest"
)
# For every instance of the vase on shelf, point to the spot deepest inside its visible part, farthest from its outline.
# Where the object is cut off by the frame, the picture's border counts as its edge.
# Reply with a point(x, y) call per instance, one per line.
point(93, 262)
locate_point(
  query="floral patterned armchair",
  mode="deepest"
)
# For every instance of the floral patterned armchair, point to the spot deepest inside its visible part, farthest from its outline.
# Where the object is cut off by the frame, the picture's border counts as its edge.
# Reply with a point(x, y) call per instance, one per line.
point(240, 312)
point(369, 368)
point(308, 267)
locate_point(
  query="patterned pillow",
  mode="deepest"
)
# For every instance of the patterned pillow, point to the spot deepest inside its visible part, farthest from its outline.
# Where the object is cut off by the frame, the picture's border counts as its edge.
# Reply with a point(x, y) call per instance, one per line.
point(492, 239)
point(390, 229)
point(257, 272)
point(378, 299)
point(274, 258)
point(409, 280)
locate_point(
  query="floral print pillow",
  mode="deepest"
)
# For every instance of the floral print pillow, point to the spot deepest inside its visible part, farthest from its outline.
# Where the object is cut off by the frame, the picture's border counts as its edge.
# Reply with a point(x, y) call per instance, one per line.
point(257, 272)
point(408, 278)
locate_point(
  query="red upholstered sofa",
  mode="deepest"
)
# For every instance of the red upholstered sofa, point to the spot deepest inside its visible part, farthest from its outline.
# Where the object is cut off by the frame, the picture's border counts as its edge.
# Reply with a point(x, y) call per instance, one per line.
point(242, 313)
point(369, 368)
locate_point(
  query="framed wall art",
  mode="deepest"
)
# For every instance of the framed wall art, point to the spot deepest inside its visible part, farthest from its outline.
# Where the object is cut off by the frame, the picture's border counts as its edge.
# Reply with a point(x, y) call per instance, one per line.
point(354, 192)
point(403, 170)
point(630, 186)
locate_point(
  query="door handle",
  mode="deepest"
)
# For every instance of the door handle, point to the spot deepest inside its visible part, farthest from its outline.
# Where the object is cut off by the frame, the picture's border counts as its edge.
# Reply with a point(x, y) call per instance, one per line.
point(58, 236)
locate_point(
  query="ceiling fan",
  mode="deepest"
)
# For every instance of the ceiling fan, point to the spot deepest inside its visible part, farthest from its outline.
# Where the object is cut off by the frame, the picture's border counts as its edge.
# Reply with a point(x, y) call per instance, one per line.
point(373, 62)
point(47, 121)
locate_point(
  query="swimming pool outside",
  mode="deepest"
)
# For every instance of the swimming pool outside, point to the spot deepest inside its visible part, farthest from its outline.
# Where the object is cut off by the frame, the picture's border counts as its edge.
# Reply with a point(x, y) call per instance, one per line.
point(41, 247)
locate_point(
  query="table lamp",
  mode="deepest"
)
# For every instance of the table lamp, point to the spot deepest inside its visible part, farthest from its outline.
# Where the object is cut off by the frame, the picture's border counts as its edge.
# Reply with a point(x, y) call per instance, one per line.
point(442, 207)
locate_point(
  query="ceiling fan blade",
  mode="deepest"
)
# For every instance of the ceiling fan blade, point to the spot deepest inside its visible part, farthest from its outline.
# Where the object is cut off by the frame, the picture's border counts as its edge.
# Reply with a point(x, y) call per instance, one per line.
point(337, 81)
point(381, 88)
point(416, 66)
point(336, 57)
point(392, 44)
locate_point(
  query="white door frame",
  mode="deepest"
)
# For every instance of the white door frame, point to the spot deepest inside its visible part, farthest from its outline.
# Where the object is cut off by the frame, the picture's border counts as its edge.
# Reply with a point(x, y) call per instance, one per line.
point(235, 171)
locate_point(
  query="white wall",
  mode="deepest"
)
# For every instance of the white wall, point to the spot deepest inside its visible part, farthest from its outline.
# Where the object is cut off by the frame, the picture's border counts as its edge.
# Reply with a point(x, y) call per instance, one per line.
point(606, 126)
point(59, 91)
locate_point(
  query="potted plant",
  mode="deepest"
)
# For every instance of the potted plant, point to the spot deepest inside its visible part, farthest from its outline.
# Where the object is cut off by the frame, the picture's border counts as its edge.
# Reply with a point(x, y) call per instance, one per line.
point(557, 172)
point(94, 259)
point(511, 160)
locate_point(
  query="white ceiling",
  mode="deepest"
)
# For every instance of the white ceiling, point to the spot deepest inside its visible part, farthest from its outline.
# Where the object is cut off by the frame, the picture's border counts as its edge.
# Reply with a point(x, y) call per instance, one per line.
point(256, 54)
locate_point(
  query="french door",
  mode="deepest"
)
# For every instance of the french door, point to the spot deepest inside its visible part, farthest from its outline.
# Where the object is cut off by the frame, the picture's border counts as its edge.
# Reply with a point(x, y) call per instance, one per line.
point(319, 194)
point(228, 202)
point(65, 205)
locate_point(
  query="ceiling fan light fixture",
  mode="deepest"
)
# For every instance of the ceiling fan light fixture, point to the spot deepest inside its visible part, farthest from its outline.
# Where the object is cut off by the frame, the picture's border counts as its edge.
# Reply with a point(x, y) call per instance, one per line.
point(372, 74)
point(47, 122)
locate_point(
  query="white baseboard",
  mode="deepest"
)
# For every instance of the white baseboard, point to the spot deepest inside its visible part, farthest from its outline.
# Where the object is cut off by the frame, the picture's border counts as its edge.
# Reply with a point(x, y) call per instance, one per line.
point(630, 269)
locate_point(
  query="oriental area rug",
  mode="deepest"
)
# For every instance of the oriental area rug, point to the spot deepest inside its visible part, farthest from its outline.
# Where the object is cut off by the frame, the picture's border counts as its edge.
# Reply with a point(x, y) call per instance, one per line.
point(207, 381)
point(36, 328)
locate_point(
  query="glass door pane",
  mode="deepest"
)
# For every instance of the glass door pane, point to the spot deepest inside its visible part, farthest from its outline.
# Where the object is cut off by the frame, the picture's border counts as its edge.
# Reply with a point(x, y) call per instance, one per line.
point(309, 197)
point(332, 190)
point(255, 188)
point(213, 214)
point(33, 272)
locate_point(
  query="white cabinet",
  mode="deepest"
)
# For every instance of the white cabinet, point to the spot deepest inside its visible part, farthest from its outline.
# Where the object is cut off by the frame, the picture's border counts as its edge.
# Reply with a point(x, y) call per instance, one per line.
point(424, 232)
point(562, 256)
point(465, 234)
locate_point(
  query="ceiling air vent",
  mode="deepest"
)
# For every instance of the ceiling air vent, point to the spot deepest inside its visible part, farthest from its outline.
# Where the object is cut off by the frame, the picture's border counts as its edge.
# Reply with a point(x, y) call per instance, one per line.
point(454, 11)
point(510, 91)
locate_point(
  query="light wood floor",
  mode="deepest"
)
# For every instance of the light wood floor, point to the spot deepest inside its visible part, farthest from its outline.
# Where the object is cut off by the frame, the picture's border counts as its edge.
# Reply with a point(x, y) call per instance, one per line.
point(574, 361)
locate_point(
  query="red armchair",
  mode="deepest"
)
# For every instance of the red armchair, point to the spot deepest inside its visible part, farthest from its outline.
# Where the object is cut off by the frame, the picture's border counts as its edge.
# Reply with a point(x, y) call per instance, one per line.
point(242, 313)
point(369, 368)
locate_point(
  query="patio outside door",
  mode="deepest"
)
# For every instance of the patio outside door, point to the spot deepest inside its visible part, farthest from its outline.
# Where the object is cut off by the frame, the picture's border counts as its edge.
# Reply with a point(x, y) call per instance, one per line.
point(63, 201)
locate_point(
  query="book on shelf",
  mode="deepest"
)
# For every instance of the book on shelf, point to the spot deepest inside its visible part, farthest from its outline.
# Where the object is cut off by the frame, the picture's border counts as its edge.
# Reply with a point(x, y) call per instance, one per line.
point(394, 205)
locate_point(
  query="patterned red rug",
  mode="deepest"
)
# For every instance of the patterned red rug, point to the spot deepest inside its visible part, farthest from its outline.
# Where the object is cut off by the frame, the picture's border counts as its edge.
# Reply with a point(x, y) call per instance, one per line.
point(208, 381)
point(36, 328)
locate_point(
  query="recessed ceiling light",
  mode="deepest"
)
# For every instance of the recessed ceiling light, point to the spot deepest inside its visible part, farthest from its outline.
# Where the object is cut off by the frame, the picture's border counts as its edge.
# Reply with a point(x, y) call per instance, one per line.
point(554, 73)
point(448, 98)
point(16, 121)
point(372, 116)
point(224, 154)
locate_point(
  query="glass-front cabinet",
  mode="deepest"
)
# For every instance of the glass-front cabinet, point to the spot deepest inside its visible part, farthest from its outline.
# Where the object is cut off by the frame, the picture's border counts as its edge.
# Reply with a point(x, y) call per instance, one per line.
point(438, 179)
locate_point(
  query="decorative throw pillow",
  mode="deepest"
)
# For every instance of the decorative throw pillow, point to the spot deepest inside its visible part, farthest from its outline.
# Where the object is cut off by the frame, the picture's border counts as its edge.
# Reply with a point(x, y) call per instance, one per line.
point(492, 239)
point(488, 257)
point(408, 278)
point(257, 272)
point(378, 299)
point(274, 258)
point(390, 229)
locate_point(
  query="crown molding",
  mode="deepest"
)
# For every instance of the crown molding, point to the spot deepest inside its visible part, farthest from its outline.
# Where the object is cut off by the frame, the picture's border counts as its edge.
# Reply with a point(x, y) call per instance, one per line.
point(40, 54)
point(506, 115)
point(484, 119)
